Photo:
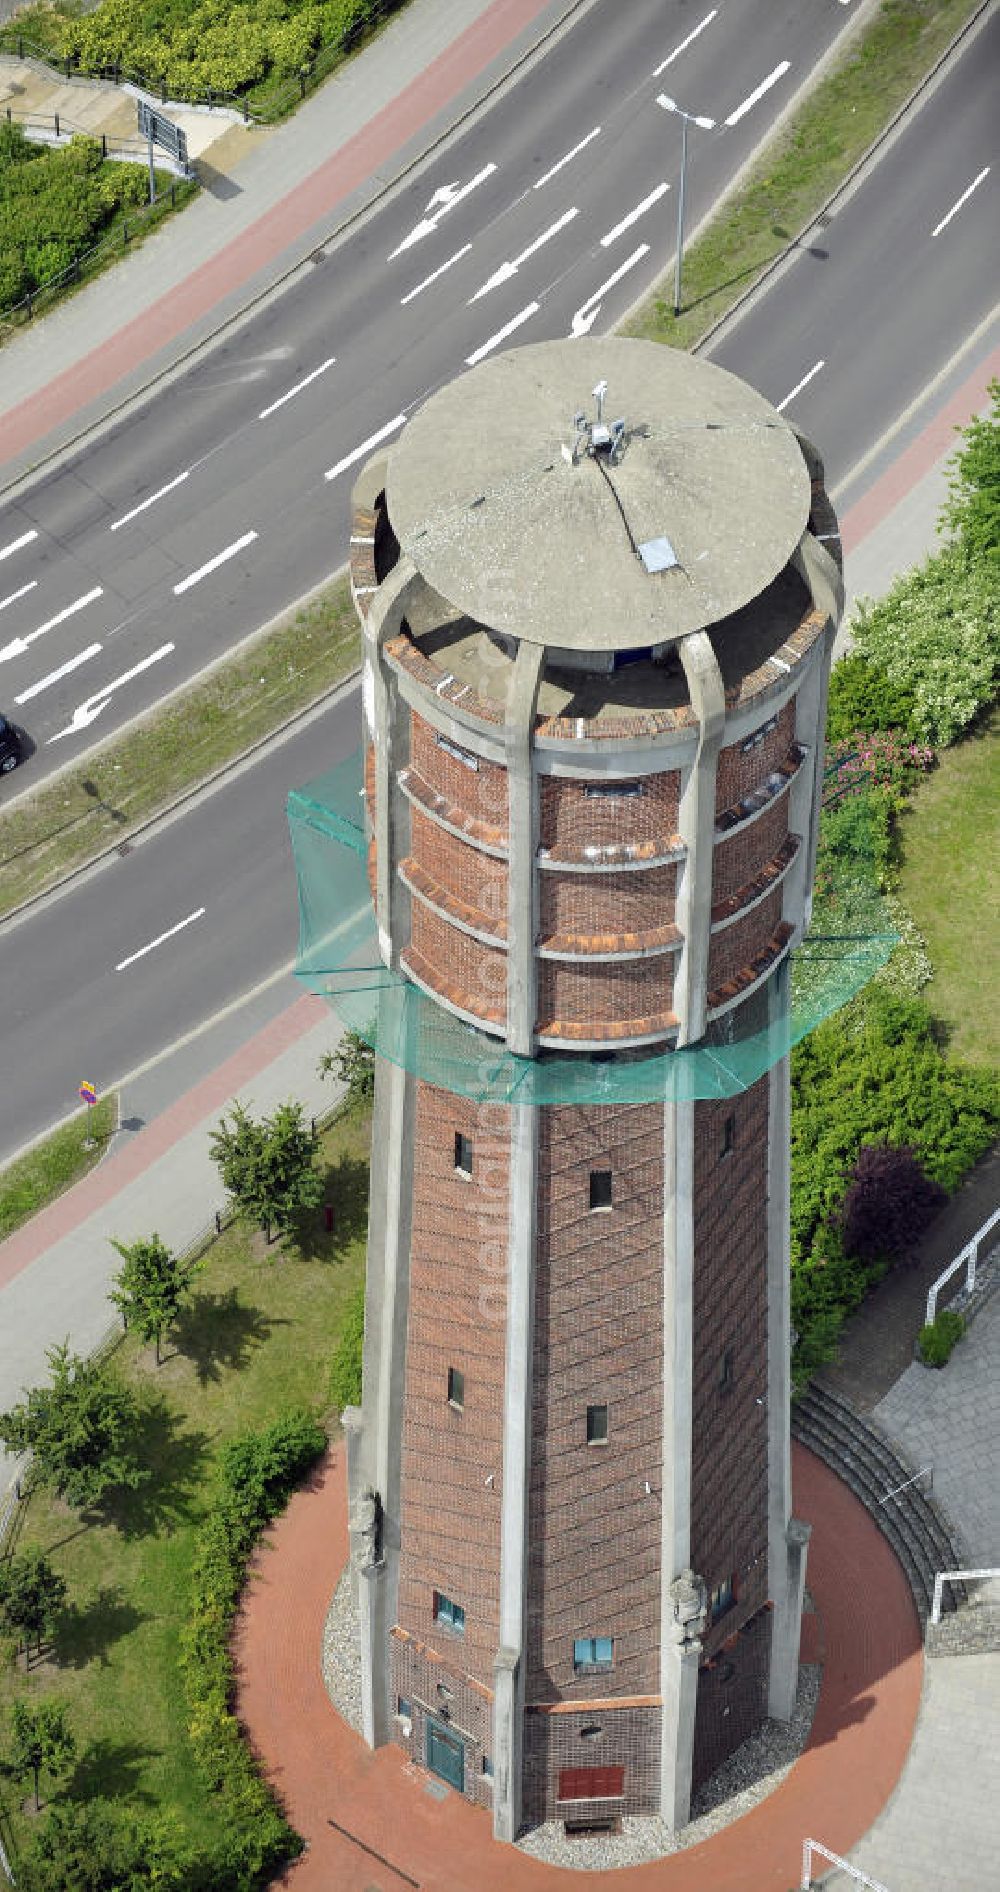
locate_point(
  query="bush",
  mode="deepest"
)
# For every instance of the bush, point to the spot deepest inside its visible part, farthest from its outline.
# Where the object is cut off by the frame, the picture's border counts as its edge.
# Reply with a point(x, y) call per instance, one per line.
point(862, 697)
point(80, 1430)
point(889, 1204)
point(937, 1341)
point(101, 1846)
point(257, 1474)
point(973, 507)
point(345, 1373)
point(936, 633)
point(54, 206)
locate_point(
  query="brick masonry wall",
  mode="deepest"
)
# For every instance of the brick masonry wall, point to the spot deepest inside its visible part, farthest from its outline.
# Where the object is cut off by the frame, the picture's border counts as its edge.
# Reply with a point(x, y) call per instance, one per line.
point(738, 944)
point(572, 819)
point(481, 792)
point(466, 967)
point(628, 1738)
point(450, 1521)
point(738, 773)
point(732, 1697)
point(430, 1685)
point(594, 1535)
point(627, 992)
point(477, 879)
point(729, 1429)
point(738, 857)
point(583, 904)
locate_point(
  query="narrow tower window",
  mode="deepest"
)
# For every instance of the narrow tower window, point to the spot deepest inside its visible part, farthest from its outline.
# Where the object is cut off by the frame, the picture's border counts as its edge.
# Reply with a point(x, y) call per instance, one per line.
point(722, 1599)
point(726, 1371)
point(463, 1155)
point(597, 1425)
point(728, 1136)
point(600, 1189)
point(456, 1388)
point(449, 1615)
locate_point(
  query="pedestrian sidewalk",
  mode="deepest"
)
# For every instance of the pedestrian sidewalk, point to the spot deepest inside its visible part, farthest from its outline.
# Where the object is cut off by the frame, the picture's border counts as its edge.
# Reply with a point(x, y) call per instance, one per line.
point(270, 197)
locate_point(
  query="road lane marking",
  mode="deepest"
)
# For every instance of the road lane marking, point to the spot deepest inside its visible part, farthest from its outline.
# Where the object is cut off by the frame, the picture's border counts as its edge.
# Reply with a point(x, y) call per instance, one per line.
point(685, 43)
point(764, 86)
point(586, 315)
point(265, 412)
point(507, 270)
point(584, 142)
point(158, 941)
point(358, 453)
point(16, 544)
point(464, 251)
point(15, 595)
point(151, 501)
point(634, 215)
point(966, 194)
point(87, 711)
point(443, 200)
point(799, 385)
point(18, 645)
point(221, 558)
point(55, 676)
point(501, 335)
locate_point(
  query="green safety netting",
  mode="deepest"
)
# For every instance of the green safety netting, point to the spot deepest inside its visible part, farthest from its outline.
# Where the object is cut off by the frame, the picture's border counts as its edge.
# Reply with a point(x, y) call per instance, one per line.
point(850, 939)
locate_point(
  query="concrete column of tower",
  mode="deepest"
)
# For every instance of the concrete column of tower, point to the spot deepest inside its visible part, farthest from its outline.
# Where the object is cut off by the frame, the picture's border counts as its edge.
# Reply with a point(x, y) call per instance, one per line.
point(595, 669)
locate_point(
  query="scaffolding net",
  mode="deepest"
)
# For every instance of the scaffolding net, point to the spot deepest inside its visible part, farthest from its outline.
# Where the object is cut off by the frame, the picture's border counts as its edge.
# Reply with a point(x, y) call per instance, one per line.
point(851, 938)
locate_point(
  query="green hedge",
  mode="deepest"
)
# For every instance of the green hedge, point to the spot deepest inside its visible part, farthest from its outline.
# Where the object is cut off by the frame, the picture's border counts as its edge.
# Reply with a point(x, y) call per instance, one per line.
point(54, 206)
point(219, 46)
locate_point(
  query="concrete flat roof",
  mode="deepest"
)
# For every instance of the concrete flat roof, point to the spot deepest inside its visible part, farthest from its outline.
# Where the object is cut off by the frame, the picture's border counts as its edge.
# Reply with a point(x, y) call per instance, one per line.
point(482, 497)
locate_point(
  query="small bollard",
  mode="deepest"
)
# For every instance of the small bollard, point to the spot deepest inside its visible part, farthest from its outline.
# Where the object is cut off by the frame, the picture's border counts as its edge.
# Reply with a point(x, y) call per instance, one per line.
point(218, 1222)
point(328, 1217)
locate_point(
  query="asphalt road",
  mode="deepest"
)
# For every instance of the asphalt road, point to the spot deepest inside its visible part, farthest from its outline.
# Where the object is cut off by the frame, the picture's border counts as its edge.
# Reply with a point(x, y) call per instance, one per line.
point(199, 518)
point(884, 311)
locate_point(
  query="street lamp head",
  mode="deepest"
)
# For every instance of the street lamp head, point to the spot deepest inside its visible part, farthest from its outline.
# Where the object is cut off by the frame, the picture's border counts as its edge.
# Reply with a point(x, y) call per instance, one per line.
point(668, 105)
point(707, 124)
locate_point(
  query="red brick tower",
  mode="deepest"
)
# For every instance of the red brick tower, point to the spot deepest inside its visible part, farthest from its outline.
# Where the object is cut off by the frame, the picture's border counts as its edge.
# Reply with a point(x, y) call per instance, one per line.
point(596, 654)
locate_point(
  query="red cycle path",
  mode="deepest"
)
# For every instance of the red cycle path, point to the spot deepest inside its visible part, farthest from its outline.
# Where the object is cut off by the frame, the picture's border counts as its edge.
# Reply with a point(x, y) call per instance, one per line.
point(371, 1825)
point(318, 196)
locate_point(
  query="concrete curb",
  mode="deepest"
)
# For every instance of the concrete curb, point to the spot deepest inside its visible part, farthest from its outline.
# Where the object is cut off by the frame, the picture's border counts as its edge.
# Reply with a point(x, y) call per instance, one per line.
point(58, 455)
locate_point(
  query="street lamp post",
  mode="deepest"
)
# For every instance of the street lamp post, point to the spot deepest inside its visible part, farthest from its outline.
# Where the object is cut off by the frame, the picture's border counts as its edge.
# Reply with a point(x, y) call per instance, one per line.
point(706, 124)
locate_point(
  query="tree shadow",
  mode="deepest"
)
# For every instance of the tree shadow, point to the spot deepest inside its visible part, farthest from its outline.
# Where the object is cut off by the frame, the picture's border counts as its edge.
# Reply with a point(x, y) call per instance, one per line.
point(217, 1333)
point(173, 1460)
point(111, 1770)
point(345, 1188)
point(84, 1635)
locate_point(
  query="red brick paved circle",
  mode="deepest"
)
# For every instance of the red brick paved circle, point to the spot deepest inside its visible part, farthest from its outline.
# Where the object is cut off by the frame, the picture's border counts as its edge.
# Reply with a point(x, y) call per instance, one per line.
point(332, 1786)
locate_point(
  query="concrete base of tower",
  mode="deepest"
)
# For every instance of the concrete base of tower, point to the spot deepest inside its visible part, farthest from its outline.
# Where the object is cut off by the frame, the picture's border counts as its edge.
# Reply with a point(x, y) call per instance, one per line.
point(590, 1764)
point(784, 1676)
point(732, 1696)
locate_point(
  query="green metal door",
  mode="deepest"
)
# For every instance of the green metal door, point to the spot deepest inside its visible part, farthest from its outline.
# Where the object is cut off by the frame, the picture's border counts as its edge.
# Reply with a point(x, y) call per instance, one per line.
point(445, 1755)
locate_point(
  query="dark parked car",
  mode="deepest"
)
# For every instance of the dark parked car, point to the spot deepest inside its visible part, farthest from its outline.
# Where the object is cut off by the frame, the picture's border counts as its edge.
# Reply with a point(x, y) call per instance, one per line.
point(11, 747)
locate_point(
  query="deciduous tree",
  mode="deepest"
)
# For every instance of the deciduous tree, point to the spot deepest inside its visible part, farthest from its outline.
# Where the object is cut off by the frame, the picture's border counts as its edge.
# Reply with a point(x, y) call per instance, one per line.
point(150, 1288)
point(269, 1168)
point(31, 1596)
point(80, 1430)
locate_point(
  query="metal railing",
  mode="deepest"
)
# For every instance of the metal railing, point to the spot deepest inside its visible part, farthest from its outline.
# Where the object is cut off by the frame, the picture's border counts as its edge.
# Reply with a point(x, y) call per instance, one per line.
point(810, 1846)
point(968, 1259)
point(955, 1576)
point(5, 1866)
point(126, 232)
point(926, 1471)
point(54, 128)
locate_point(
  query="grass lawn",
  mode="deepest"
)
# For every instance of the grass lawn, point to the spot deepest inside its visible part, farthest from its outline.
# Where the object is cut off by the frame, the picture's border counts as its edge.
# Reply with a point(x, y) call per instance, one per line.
point(258, 1335)
point(803, 166)
point(36, 1179)
point(67, 822)
point(950, 882)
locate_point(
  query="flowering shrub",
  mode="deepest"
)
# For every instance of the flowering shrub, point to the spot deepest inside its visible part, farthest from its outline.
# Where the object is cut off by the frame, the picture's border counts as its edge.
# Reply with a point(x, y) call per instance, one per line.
point(937, 634)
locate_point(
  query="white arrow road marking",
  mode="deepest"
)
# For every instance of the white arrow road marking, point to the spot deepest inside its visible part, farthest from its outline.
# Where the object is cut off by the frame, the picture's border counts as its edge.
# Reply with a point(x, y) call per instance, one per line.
point(18, 645)
point(442, 201)
point(584, 142)
point(54, 676)
point(764, 86)
point(158, 941)
point(85, 713)
point(15, 595)
point(221, 558)
point(299, 385)
point(502, 334)
point(16, 544)
point(358, 453)
point(634, 215)
point(151, 501)
point(464, 251)
point(685, 43)
point(587, 313)
point(966, 194)
point(799, 385)
point(507, 270)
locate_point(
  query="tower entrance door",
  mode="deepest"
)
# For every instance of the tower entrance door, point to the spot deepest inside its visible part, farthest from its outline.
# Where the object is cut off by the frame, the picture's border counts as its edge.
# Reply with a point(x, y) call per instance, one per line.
point(445, 1754)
